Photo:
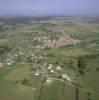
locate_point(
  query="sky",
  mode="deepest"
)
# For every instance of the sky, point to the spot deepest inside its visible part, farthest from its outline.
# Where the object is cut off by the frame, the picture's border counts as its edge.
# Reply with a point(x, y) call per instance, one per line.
point(49, 7)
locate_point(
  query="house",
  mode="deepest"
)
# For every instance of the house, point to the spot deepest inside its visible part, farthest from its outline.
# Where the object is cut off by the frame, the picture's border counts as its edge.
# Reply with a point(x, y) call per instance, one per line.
point(65, 77)
point(58, 68)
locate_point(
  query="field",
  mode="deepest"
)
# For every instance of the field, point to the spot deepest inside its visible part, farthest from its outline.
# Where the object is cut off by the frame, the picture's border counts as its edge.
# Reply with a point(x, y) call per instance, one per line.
point(35, 50)
point(12, 84)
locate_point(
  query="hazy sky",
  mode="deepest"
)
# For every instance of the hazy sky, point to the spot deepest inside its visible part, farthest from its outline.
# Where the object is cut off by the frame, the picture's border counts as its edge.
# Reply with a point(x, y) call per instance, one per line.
point(49, 7)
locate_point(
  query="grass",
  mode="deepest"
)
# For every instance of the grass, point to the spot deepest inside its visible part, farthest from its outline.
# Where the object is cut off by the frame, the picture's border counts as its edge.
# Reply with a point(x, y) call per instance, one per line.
point(60, 91)
point(18, 73)
point(10, 90)
point(69, 51)
point(91, 79)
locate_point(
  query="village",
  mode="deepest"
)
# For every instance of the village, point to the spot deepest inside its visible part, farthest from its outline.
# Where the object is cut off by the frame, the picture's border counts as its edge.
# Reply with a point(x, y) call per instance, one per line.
point(42, 43)
point(46, 69)
point(51, 59)
point(50, 71)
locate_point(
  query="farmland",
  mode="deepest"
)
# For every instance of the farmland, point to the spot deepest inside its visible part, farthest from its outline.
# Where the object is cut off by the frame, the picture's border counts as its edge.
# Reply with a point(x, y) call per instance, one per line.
point(49, 59)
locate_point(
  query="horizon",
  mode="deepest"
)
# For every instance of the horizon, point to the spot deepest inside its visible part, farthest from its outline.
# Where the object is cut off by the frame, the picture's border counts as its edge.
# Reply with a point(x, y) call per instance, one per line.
point(41, 8)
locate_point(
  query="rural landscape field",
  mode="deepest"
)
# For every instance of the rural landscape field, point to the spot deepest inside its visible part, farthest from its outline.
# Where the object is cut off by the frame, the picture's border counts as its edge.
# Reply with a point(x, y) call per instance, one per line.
point(49, 58)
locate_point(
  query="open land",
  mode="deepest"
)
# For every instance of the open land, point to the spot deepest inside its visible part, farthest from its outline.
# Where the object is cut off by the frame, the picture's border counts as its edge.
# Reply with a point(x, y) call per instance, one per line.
point(54, 58)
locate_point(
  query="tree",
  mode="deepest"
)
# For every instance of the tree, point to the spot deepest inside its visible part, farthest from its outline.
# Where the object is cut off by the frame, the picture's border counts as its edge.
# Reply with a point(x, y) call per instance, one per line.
point(81, 65)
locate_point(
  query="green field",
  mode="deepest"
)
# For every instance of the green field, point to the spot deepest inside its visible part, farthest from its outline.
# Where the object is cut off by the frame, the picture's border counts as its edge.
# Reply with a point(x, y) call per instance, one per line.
point(12, 86)
point(23, 45)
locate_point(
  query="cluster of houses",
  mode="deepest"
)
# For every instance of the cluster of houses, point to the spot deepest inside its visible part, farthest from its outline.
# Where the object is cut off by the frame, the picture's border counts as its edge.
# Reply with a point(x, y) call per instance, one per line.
point(7, 61)
point(55, 71)
point(12, 58)
point(64, 40)
point(50, 71)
